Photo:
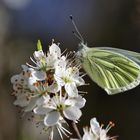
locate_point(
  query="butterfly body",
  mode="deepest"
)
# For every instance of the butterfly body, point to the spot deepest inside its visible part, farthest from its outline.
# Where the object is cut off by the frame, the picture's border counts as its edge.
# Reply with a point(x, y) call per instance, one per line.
point(115, 70)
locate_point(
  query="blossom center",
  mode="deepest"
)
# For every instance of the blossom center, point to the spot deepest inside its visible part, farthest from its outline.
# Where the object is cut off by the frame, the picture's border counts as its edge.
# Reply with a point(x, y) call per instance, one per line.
point(66, 79)
point(60, 107)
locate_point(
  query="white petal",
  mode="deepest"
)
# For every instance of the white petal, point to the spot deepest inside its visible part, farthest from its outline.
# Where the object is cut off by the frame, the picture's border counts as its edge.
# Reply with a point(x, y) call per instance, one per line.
point(31, 81)
point(54, 88)
point(59, 81)
point(31, 105)
point(70, 102)
point(80, 102)
point(72, 113)
point(59, 71)
point(39, 75)
point(50, 60)
point(42, 100)
point(79, 81)
point(103, 135)
point(71, 89)
point(61, 63)
point(95, 126)
point(52, 118)
point(42, 110)
point(21, 101)
point(89, 136)
point(38, 54)
point(15, 79)
point(55, 50)
point(26, 68)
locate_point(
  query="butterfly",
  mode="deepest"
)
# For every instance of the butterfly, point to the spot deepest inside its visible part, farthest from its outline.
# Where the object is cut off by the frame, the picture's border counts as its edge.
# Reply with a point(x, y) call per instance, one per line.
point(115, 70)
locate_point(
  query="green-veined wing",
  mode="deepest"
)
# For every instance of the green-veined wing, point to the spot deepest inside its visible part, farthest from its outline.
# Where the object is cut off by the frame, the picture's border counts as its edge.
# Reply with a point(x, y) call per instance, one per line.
point(115, 70)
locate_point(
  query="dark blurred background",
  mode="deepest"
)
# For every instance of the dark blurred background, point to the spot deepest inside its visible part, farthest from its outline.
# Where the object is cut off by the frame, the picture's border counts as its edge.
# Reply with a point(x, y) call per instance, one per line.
point(114, 23)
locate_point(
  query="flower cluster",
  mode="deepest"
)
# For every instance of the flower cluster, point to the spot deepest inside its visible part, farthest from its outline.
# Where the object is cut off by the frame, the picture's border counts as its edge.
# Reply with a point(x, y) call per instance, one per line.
point(48, 88)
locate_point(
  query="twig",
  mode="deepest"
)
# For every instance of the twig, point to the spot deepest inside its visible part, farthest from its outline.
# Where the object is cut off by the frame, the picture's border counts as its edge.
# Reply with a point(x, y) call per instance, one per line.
point(73, 127)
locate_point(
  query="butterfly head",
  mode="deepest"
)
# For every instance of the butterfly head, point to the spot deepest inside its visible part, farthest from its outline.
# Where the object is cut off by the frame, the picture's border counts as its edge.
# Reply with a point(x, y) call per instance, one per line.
point(82, 47)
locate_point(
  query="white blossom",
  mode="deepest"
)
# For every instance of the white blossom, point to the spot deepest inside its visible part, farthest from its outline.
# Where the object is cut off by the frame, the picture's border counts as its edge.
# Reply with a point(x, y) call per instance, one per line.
point(96, 132)
point(40, 60)
point(26, 89)
point(59, 106)
point(46, 62)
point(59, 127)
point(21, 88)
point(69, 78)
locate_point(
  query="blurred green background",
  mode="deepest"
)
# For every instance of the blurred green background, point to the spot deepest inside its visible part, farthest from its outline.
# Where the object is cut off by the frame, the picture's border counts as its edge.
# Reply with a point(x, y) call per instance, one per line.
point(114, 23)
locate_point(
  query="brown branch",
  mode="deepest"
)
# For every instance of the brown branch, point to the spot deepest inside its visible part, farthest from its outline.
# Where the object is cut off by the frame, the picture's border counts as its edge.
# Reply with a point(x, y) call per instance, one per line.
point(74, 129)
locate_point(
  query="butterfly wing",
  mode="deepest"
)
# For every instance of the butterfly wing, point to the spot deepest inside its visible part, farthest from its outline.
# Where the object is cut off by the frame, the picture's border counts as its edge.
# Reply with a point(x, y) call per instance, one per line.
point(115, 70)
point(130, 54)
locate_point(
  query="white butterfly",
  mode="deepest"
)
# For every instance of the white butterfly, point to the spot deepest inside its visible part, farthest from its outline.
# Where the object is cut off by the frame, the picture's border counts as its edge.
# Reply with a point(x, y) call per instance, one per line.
point(115, 70)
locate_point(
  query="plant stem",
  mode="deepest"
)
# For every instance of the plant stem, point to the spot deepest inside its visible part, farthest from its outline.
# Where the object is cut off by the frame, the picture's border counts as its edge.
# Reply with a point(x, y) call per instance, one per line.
point(74, 129)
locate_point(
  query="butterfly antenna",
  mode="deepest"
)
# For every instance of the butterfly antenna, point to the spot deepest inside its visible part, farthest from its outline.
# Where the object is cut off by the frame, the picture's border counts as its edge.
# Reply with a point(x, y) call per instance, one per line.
point(77, 33)
point(77, 36)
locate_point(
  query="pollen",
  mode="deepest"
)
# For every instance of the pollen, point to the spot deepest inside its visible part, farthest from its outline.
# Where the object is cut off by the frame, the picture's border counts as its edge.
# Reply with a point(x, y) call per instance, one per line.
point(111, 124)
point(36, 84)
point(50, 78)
point(66, 79)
